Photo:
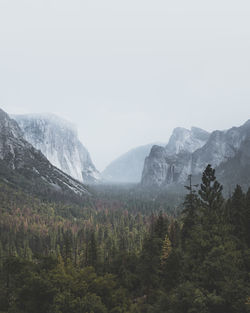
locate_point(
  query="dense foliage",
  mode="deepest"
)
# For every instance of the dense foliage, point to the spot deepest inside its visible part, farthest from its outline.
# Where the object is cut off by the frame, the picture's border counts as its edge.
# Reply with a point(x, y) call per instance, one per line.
point(114, 255)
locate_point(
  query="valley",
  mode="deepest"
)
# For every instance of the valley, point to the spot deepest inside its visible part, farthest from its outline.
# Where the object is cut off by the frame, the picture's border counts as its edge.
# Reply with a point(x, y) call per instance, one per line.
point(152, 246)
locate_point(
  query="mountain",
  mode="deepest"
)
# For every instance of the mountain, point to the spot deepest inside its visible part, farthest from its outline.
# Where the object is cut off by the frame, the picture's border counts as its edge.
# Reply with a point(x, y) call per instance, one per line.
point(25, 167)
point(172, 163)
point(128, 167)
point(221, 147)
point(185, 140)
point(227, 151)
point(57, 139)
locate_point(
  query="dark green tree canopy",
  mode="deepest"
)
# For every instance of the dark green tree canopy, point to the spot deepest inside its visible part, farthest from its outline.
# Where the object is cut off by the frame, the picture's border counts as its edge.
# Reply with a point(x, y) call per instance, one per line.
point(210, 190)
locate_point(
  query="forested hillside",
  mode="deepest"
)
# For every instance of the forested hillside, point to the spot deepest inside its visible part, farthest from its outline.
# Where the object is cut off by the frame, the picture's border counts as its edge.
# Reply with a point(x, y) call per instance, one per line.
point(125, 254)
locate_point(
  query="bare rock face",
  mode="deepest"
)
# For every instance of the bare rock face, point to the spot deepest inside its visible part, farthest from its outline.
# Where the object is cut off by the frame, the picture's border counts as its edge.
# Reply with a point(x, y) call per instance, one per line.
point(189, 152)
point(173, 163)
point(184, 140)
point(58, 141)
point(156, 167)
point(22, 158)
point(221, 147)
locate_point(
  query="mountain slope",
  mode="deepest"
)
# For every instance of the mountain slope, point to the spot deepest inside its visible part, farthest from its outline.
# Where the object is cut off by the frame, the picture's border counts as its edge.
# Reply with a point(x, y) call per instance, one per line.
point(128, 167)
point(58, 141)
point(172, 164)
point(24, 166)
point(227, 151)
point(185, 140)
point(221, 147)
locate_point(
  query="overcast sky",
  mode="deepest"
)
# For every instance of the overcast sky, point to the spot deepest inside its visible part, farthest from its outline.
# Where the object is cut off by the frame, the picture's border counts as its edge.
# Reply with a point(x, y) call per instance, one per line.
point(127, 72)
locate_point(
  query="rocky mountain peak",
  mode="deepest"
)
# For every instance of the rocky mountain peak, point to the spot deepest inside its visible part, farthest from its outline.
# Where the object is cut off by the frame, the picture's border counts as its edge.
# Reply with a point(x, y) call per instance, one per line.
point(27, 164)
point(185, 140)
point(58, 140)
point(247, 123)
point(9, 126)
point(189, 152)
point(199, 133)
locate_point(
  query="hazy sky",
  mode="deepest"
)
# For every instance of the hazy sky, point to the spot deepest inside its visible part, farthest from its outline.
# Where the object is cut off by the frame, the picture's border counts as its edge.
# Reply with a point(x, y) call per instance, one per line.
point(127, 72)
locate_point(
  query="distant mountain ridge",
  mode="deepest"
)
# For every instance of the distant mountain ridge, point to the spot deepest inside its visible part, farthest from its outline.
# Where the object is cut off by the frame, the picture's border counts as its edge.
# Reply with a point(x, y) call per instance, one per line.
point(24, 166)
point(165, 166)
point(30, 142)
point(57, 139)
point(128, 167)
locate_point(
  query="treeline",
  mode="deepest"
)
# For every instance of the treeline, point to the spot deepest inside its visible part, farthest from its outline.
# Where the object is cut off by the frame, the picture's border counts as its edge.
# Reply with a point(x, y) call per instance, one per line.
point(56, 258)
point(134, 198)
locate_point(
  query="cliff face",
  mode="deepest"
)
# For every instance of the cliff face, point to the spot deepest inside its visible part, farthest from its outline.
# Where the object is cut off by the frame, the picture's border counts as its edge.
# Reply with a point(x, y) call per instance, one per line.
point(28, 163)
point(228, 151)
point(172, 164)
point(58, 141)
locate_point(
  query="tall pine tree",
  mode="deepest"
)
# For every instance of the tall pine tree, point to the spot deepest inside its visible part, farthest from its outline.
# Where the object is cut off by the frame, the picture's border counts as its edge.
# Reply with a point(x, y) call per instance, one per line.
point(210, 193)
point(190, 211)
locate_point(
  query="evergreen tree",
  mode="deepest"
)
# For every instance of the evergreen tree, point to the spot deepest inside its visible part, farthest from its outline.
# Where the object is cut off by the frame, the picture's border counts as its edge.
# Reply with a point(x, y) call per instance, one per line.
point(92, 250)
point(212, 261)
point(210, 193)
point(247, 218)
point(67, 246)
point(166, 250)
point(160, 227)
point(237, 212)
point(174, 233)
point(191, 204)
